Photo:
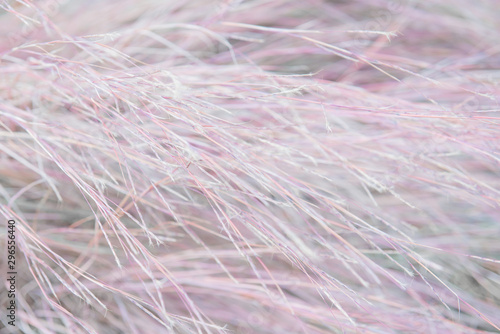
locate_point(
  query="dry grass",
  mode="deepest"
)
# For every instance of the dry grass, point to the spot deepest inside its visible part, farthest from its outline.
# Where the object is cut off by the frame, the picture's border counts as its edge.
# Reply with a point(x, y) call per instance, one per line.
point(252, 166)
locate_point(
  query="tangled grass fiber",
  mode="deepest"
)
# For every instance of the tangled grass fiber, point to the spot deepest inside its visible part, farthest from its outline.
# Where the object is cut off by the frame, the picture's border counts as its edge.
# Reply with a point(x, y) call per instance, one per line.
point(260, 166)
